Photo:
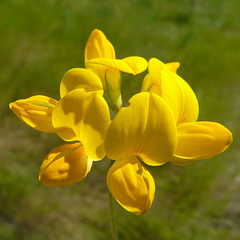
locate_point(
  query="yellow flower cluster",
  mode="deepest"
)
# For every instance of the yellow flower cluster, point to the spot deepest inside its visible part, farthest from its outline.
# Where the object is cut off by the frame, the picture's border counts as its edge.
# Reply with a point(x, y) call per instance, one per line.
point(159, 125)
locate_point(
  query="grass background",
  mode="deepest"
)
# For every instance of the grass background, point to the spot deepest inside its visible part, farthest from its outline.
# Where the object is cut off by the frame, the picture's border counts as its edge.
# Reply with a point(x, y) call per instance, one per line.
point(41, 40)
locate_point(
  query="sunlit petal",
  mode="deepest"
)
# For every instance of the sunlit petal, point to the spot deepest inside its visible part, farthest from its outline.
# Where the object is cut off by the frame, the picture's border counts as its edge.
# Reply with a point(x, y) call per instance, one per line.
point(80, 78)
point(173, 89)
point(132, 65)
point(65, 165)
point(146, 128)
point(98, 46)
point(201, 140)
point(173, 66)
point(112, 63)
point(131, 184)
point(85, 117)
point(36, 112)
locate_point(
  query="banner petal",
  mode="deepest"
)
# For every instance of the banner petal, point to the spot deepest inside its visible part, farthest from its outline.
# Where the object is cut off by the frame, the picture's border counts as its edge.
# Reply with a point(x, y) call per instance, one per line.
point(146, 128)
point(80, 78)
point(98, 46)
point(173, 89)
point(85, 117)
point(173, 66)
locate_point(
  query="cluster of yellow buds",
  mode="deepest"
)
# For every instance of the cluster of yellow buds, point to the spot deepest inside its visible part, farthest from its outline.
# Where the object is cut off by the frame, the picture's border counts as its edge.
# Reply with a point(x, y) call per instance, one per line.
point(159, 125)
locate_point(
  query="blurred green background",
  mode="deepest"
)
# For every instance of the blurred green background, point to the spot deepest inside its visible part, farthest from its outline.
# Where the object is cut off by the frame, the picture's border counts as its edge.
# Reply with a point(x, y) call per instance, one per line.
point(41, 40)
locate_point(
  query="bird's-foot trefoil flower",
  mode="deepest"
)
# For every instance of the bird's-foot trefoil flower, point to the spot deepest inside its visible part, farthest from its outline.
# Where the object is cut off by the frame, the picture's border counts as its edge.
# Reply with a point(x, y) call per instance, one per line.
point(100, 58)
point(35, 111)
point(145, 129)
point(196, 140)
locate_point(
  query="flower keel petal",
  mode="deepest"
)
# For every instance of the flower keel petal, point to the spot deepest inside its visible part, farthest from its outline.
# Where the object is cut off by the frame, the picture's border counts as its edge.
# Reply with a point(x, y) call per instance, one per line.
point(65, 165)
point(201, 140)
point(131, 184)
point(36, 112)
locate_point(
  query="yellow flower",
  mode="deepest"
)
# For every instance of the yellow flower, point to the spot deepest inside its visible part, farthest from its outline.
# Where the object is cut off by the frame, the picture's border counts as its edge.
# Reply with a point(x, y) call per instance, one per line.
point(100, 58)
point(196, 140)
point(145, 129)
point(35, 111)
point(80, 115)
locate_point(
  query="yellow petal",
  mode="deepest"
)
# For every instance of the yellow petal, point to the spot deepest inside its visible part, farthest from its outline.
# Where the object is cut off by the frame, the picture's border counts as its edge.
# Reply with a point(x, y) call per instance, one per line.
point(112, 63)
point(137, 64)
point(98, 46)
point(201, 140)
point(146, 128)
point(173, 66)
point(173, 89)
point(36, 112)
point(85, 117)
point(65, 165)
point(181, 161)
point(131, 184)
point(132, 65)
point(80, 78)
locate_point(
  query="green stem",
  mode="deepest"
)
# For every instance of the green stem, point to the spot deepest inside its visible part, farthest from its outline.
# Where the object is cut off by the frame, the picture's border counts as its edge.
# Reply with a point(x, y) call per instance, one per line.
point(112, 216)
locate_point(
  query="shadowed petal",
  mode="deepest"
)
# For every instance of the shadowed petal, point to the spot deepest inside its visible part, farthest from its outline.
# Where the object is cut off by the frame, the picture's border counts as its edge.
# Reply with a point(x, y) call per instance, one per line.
point(80, 78)
point(146, 128)
point(65, 165)
point(85, 117)
point(36, 112)
point(131, 184)
point(201, 140)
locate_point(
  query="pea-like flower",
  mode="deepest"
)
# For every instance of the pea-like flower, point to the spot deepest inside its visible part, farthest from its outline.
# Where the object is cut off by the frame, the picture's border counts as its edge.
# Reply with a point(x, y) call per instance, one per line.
point(100, 58)
point(159, 125)
point(196, 139)
point(146, 129)
point(35, 111)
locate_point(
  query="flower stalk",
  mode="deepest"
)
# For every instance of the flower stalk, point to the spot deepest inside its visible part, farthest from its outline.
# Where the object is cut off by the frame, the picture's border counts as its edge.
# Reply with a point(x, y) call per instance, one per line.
point(111, 213)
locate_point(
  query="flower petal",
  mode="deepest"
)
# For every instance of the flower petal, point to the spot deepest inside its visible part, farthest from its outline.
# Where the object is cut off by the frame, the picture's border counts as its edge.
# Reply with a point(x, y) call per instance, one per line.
point(137, 64)
point(201, 140)
point(131, 184)
point(173, 66)
point(85, 117)
point(65, 165)
point(146, 128)
point(98, 46)
point(133, 65)
point(173, 89)
point(36, 112)
point(80, 78)
point(112, 63)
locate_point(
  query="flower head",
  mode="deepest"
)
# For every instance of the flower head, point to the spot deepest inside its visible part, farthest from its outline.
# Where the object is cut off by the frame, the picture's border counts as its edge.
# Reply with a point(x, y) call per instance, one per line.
point(159, 125)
